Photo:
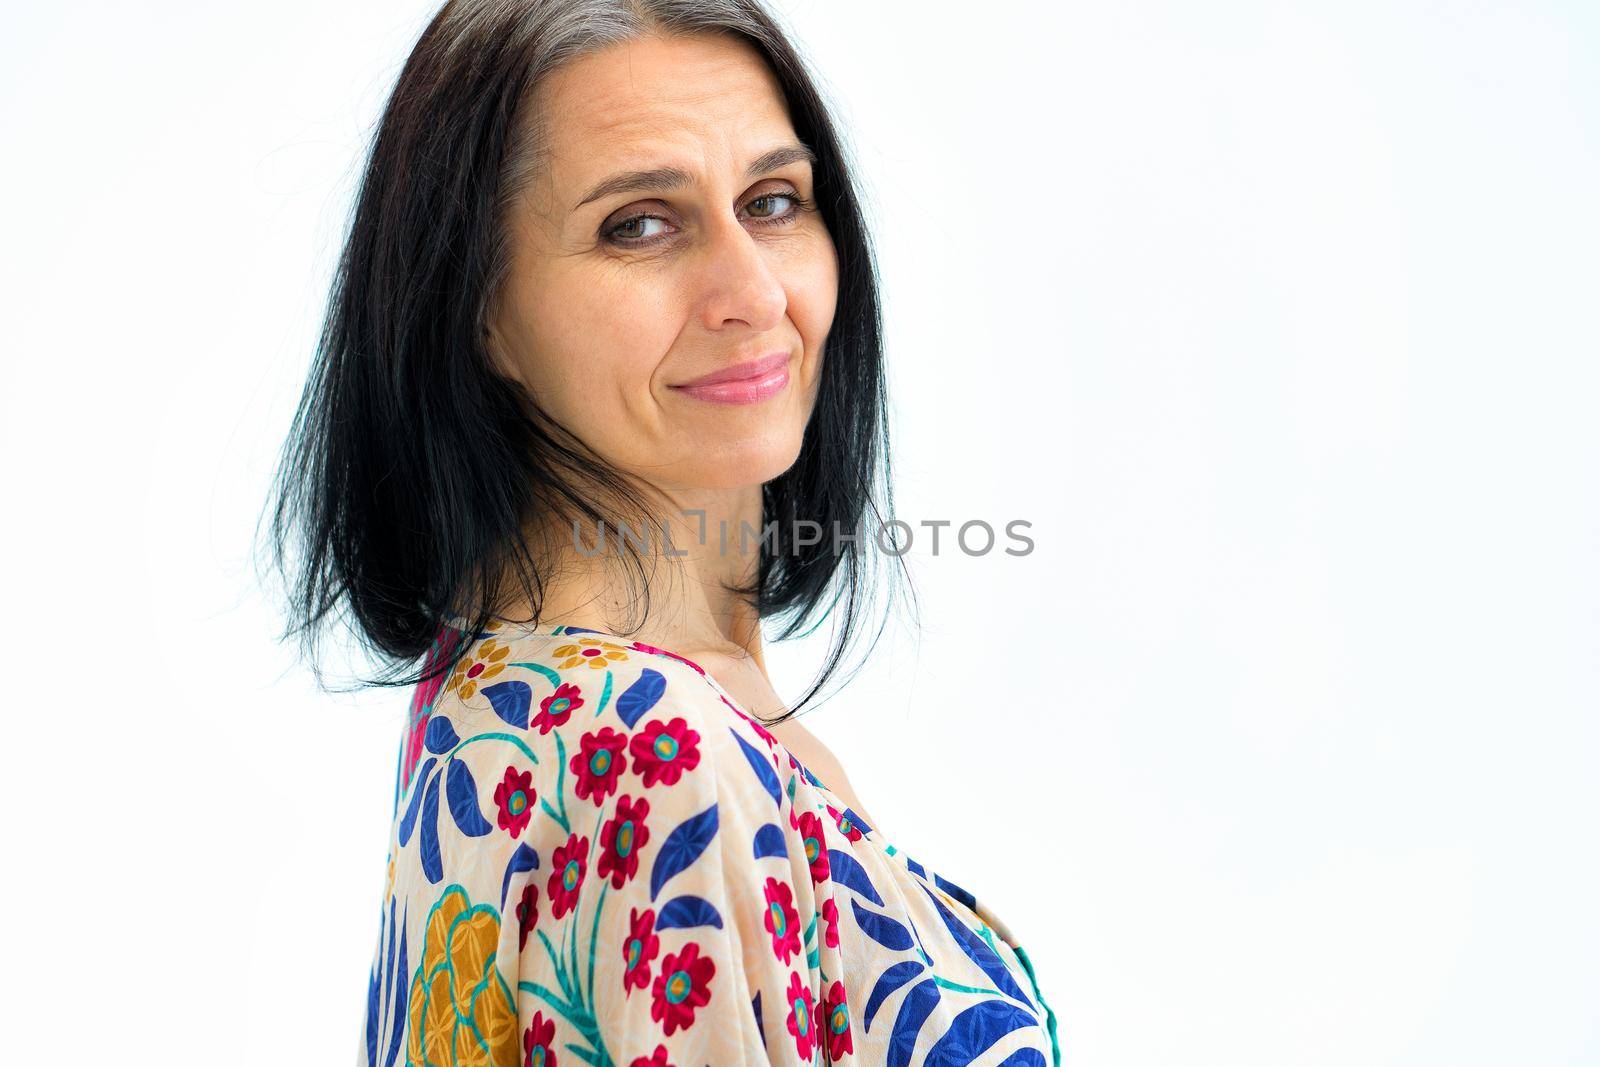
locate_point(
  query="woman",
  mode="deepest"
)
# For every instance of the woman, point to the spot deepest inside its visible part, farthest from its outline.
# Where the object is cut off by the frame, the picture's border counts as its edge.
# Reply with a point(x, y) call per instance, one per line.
point(607, 272)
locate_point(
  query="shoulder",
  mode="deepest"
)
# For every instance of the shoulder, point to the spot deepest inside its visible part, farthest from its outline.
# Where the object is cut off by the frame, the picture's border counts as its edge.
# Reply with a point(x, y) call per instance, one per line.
point(505, 666)
point(624, 707)
point(533, 739)
point(618, 681)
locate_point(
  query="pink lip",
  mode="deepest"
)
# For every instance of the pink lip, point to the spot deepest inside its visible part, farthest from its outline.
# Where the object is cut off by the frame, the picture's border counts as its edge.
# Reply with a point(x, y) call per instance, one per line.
point(744, 383)
point(755, 368)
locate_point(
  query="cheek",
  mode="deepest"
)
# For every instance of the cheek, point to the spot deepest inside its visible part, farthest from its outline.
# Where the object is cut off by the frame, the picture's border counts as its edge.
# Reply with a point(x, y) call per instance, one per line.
point(813, 290)
point(593, 352)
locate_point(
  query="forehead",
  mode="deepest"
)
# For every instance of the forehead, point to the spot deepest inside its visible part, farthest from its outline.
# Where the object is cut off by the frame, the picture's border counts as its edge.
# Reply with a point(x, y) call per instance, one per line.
point(691, 101)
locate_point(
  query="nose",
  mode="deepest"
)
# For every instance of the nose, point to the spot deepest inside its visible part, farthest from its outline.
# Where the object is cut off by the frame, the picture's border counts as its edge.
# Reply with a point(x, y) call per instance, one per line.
point(738, 281)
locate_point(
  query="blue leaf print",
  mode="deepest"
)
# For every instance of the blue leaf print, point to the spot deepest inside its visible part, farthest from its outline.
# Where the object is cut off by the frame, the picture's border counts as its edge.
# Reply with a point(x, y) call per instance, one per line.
point(857, 821)
point(441, 736)
point(974, 1031)
point(432, 864)
point(682, 847)
point(915, 933)
point(402, 991)
point(523, 859)
point(914, 1011)
point(641, 696)
point(979, 951)
point(463, 795)
point(1024, 1057)
point(769, 842)
point(372, 1015)
point(763, 769)
point(388, 970)
point(419, 785)
point(882, 929)
point(682, 913)
point(511, 701)
point(847, 872)
point(954, 890)
point(887, 983)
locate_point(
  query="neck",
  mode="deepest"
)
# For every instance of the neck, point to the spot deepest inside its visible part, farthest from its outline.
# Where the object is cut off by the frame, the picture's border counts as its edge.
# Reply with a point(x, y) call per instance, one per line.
point(687, 557)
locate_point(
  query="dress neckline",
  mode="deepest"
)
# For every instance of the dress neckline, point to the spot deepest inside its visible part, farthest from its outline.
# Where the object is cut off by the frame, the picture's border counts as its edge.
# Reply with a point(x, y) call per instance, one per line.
point(546, 629)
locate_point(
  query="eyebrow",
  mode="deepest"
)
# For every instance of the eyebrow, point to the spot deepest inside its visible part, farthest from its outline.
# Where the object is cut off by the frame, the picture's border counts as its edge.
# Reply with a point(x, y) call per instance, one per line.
point(634, 181)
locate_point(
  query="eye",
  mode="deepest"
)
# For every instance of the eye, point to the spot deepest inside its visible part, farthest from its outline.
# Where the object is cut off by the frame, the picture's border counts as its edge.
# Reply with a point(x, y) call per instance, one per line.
point(768, 198)
point(620, 235)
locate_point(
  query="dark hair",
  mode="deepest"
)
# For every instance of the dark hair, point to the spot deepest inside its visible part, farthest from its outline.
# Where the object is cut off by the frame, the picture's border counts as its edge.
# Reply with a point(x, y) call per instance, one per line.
point(411, 467)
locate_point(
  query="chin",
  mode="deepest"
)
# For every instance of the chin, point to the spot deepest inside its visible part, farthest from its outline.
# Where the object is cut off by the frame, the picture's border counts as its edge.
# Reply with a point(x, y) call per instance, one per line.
point(740, 467)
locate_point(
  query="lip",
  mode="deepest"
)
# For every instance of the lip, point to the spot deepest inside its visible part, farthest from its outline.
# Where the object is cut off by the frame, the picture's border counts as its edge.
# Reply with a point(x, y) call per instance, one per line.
point(741, 372)
point(744, 383)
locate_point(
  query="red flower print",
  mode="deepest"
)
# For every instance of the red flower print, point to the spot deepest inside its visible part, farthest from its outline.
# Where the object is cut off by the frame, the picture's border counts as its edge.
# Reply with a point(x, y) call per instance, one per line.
point(527, 914)
point(836, 1023)
point(567, 866)
point(640, 948)
point(847, 827)
point(830, 922)
point(536, 1041)
point(683, 985)
point(657, 1060)
point(622, 838)
point(816, 848)
point(599, 763)
point(801, 1024)
point(514, 796)
point(783, 922)
point(662, 752)
point(555, 709)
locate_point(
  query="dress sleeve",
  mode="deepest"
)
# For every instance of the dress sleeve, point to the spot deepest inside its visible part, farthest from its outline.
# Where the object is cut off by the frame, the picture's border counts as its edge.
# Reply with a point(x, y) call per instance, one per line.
point(672, 908)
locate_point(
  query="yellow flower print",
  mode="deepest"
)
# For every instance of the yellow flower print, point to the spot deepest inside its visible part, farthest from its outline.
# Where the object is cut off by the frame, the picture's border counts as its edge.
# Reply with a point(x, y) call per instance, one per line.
point(597, 654)
point(461, 1011)
point(486, 661)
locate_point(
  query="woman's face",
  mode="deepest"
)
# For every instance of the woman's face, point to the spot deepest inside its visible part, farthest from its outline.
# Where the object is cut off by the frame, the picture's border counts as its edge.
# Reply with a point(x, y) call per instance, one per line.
point(618, 296)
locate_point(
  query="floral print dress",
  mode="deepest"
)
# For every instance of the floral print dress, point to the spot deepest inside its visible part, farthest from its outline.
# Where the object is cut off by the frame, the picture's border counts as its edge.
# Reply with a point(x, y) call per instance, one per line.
point(598, 858)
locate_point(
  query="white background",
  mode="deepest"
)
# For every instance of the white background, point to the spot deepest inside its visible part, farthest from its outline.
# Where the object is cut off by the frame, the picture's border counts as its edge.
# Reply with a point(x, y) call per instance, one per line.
point(1277, 321)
